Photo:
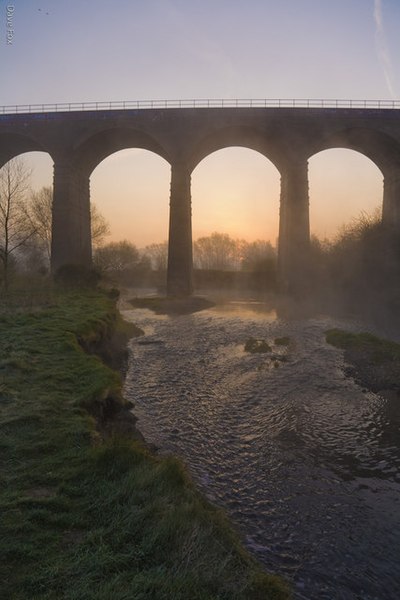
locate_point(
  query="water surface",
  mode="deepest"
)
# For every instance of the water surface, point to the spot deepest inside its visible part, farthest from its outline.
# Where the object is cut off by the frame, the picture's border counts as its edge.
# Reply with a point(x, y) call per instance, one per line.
point(305, 462)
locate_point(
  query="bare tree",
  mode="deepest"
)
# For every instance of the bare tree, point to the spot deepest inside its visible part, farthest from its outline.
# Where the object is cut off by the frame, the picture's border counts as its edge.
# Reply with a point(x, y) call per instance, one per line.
point(158, 254)
point(359, 226)
point(99, 226)
point(15, 225)
point(217, 251)
point(40, 213)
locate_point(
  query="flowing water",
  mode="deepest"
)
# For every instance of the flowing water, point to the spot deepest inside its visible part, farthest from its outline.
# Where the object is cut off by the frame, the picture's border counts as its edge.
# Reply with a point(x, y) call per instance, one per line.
point(304, 460)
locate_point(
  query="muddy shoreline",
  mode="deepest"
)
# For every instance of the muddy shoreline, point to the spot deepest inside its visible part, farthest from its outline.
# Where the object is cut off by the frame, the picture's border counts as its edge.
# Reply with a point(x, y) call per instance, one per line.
point(374, 364)
point(114, 416)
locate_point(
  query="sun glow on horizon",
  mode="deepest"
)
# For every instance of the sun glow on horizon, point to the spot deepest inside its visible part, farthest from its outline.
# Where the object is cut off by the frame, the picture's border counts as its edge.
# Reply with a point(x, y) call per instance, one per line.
point(234, 191)
point(131, 189)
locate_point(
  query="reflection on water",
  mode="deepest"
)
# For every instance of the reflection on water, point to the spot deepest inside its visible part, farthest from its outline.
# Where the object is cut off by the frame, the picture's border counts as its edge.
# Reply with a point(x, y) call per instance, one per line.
point(245, 310)
point(305, 461)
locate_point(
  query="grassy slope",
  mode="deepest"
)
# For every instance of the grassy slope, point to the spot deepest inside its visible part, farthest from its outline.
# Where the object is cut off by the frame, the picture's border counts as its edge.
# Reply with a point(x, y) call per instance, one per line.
point(375, 362)
point(86, 519)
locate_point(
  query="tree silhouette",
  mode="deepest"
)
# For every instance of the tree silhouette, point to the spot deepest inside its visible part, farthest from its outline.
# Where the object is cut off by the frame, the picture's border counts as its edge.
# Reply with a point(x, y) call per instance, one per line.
point(16, 227)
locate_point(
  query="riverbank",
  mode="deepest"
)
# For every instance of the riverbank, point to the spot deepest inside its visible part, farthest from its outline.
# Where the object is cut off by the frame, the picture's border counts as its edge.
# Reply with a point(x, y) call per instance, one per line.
point(86, 514)
point(373, 362)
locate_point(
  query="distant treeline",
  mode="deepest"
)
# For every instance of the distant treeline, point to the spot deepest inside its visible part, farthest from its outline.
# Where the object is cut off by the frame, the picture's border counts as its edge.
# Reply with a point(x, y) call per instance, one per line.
point(219, 261)
point(359, 271)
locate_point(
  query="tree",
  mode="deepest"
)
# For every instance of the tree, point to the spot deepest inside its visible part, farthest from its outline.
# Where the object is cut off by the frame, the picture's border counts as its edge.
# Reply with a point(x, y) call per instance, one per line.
point(359, 271)
point(359, 227)
point(122, 262)
point(100, 228)
point(40, 214)
point(365, 256)
point(158, 254)
point(258, 256)
point(15, 225)
point(117, 257)
point(217, 251)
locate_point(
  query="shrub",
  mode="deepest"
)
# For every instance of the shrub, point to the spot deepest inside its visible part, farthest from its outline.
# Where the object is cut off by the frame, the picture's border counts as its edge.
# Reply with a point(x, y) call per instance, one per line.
point(256, 346)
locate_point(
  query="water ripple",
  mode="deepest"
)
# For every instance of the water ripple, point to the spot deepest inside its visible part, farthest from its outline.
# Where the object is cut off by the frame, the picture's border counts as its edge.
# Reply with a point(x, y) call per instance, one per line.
point(306, 463)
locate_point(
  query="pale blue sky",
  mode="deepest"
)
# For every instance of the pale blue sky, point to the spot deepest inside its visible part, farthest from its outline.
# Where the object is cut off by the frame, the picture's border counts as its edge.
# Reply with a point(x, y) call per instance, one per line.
point(165, 49)
point(138, 49)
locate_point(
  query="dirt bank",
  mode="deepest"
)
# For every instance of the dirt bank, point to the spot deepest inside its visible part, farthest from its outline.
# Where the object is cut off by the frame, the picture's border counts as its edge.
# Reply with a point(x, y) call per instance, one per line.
point(373, 362)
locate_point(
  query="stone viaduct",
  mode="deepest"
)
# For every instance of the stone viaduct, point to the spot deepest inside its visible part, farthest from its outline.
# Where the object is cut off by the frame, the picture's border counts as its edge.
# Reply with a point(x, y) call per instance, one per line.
point(78, 141)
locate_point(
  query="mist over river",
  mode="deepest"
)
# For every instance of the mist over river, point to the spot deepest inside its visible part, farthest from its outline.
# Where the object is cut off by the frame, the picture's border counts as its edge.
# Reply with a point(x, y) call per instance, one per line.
point(305, 461)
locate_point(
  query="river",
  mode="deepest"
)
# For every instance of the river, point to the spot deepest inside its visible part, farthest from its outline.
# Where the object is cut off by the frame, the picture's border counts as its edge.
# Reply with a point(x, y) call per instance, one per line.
point(305, 461)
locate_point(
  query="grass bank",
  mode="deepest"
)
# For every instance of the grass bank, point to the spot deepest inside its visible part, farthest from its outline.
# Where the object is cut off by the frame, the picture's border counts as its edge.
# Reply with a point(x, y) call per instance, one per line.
point(374, 362)
point(91, 518)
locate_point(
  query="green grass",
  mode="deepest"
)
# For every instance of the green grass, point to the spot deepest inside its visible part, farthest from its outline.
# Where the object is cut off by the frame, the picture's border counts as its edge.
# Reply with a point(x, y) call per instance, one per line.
point(380, 350)
point(88, 519)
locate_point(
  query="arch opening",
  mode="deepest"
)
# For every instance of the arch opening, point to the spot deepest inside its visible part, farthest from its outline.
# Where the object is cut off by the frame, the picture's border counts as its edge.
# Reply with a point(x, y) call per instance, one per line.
point(130, 188)
point(236, 191)
point(343, 184)
point(25, 236)
point(350, 204)
point(235, 199)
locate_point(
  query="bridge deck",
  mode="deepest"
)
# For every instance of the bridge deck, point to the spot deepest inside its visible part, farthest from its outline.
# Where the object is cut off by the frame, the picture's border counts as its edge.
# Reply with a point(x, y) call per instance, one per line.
point(200, 103)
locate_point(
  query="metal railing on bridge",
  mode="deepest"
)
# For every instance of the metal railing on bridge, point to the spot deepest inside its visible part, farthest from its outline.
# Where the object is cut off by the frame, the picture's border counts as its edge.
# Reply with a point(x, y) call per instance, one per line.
point(199, 103)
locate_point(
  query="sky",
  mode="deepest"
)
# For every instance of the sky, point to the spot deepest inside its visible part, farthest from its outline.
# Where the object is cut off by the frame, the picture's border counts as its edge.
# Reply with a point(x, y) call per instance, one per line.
point(96, 50)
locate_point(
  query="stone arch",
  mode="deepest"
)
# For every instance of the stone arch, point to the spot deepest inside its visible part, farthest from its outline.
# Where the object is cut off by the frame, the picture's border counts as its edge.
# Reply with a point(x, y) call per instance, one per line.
point(91, 151)
point(379, 147)
point(241, 136)
point(285, 149)
point(71, 206)
point(383, 150)
point(14, 144)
